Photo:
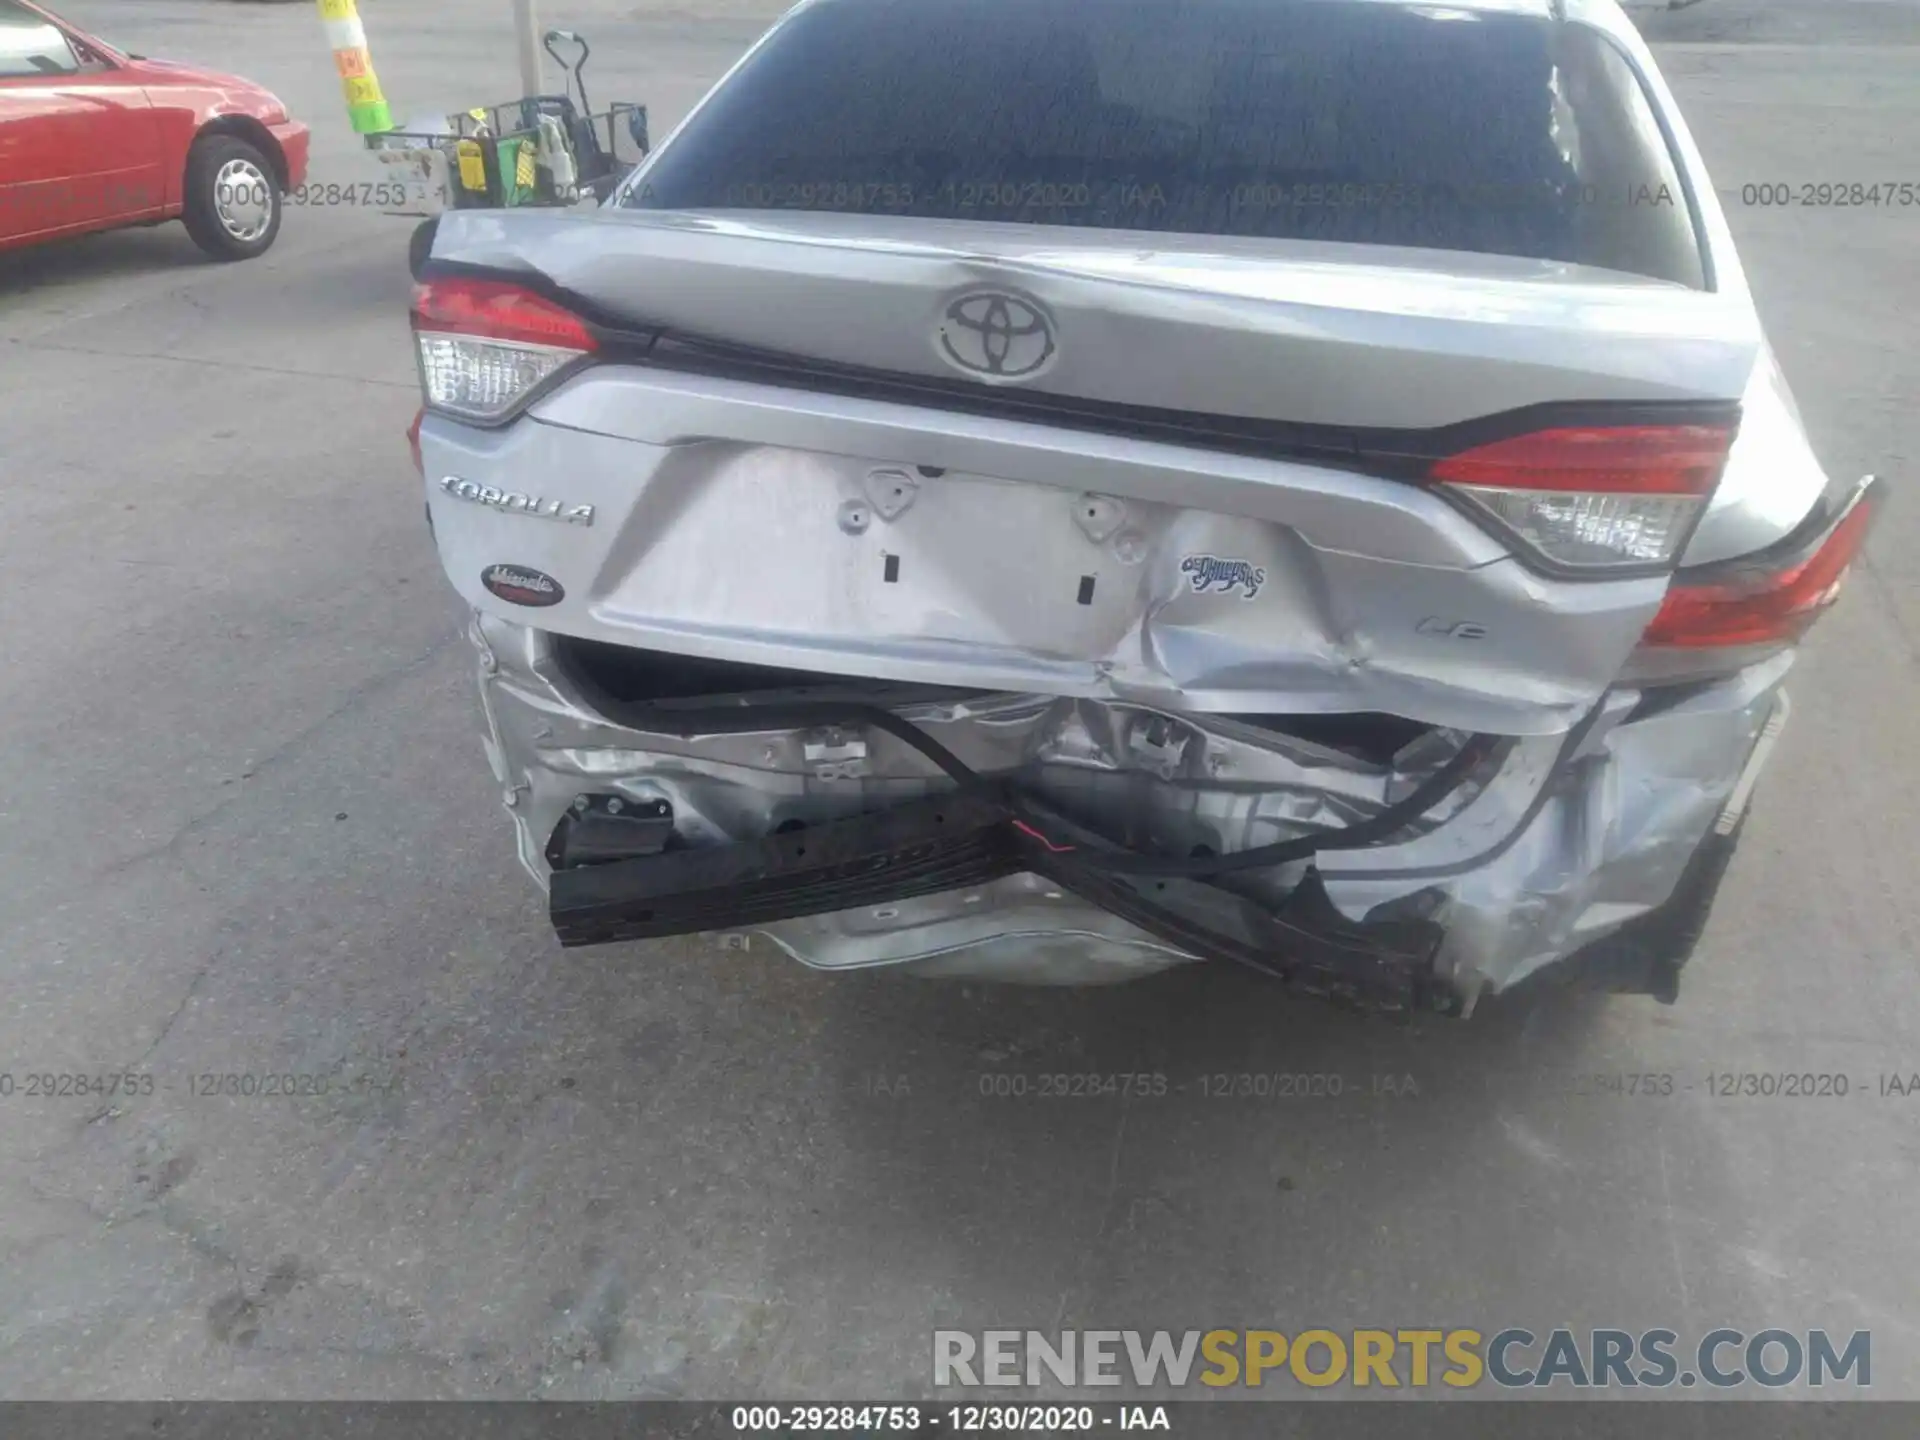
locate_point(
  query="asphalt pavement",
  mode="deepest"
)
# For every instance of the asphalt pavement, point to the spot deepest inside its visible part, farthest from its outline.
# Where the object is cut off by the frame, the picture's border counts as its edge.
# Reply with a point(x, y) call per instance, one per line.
point(248, 831)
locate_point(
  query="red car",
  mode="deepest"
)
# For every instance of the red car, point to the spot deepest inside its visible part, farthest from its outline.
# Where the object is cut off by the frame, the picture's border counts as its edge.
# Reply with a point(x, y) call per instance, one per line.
point(93, 139)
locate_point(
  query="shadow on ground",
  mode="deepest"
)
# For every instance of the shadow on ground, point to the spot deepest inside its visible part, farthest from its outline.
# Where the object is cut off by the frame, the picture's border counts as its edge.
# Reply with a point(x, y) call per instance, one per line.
point(99, 257)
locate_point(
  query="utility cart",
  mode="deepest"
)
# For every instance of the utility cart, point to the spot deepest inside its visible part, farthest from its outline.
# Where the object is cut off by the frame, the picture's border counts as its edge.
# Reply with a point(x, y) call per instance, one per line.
point(540, 150)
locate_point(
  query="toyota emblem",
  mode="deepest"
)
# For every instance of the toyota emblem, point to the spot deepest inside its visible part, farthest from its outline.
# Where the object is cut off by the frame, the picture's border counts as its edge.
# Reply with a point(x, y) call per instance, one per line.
point(996, 336)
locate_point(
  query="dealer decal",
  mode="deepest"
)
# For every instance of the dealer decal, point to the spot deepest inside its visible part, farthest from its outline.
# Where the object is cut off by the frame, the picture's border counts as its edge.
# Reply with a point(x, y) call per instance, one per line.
point(1209, 574)
point(517, 585)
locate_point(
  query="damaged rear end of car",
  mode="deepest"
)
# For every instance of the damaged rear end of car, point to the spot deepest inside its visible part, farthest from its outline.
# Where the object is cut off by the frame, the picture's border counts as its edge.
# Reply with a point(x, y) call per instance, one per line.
point(1060, 554)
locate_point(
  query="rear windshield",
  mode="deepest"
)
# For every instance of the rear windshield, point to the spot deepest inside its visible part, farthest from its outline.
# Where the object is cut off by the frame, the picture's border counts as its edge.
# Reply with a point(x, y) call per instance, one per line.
point(1339, 120)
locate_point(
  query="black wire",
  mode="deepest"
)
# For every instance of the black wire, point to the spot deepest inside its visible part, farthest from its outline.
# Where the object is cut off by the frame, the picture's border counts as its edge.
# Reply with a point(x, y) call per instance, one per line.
point(1371, 831)
point(792, 714)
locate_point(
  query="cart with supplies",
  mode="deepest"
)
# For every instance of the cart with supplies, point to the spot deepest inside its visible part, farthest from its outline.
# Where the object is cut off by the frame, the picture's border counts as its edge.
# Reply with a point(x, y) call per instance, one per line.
point(540, 150)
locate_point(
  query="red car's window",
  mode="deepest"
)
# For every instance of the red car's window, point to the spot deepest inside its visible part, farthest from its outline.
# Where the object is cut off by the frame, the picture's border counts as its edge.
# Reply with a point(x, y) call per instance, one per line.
point(30, 46)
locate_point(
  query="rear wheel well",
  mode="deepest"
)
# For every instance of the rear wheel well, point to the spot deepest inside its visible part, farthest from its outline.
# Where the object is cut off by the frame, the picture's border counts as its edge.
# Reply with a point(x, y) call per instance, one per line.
point(245, 127)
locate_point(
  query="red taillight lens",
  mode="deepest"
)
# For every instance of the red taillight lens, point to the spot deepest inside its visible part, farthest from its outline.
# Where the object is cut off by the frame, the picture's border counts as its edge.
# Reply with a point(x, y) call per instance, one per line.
point(1624, 460)
point(486, 345)
point(1594, 497)
point(1764, 609)
point(497, 310)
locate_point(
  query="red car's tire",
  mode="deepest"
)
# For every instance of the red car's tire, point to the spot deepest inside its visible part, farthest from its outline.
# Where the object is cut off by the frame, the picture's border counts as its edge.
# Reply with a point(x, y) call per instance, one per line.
point(232, 198)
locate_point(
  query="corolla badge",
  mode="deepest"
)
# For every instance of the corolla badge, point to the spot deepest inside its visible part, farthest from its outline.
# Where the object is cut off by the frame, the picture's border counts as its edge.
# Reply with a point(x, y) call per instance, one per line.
point(518, 585)
point(514, 502)
point(1209, 573)
point(993, 335)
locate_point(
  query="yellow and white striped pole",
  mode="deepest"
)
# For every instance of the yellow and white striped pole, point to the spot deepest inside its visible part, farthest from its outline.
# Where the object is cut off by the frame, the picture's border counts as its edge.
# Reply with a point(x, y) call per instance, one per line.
point(366, 106)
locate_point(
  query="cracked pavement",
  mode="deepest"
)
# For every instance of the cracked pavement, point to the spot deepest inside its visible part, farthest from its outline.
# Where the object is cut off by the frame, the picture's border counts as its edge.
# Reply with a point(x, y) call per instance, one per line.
point(250, 833)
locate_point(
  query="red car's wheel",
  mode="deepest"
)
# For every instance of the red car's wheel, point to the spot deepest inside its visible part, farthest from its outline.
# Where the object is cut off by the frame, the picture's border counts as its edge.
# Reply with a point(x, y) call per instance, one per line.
point(232, 200)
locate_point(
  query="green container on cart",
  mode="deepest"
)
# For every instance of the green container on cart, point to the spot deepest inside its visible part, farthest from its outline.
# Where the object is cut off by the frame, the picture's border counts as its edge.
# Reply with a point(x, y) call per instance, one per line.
point(519, 172)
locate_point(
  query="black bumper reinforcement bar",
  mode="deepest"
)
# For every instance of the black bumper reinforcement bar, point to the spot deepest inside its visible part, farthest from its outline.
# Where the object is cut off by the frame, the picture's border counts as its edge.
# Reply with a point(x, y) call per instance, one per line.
point(980, 833)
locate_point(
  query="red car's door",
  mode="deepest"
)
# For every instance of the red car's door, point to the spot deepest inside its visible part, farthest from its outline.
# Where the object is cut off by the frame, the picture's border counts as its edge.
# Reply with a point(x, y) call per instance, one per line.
point(78, 146)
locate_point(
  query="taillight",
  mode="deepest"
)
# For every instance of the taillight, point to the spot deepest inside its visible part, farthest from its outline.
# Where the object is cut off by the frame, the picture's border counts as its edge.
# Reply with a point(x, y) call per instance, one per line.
point(1598, 498)
point(486, 346)
point(1730, 615)
point(1757, 608)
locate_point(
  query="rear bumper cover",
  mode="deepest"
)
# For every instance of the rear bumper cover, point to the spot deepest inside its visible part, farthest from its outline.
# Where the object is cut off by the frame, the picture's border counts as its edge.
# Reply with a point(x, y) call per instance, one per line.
point(1567, 838)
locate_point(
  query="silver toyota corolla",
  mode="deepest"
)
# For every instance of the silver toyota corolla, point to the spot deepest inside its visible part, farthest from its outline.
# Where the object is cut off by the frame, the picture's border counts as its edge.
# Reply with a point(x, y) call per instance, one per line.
point(1056, 489)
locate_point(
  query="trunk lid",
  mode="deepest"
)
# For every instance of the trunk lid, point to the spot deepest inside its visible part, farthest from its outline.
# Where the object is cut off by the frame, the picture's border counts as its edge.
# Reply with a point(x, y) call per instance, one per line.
point(1296, 332)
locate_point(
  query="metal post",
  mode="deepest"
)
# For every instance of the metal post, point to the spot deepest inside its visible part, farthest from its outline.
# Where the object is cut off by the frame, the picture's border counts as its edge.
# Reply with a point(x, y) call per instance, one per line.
point(527, 28)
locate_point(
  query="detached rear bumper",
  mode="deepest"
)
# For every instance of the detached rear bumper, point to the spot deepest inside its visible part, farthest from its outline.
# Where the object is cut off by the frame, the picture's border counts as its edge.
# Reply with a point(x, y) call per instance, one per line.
point(1555, 842)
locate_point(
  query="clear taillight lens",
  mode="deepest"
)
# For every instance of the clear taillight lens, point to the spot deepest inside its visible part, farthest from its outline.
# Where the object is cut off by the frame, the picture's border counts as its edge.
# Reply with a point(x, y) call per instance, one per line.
point(484, 379)
point(1594, 498)
point(1593, 529)
point(486, 346)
